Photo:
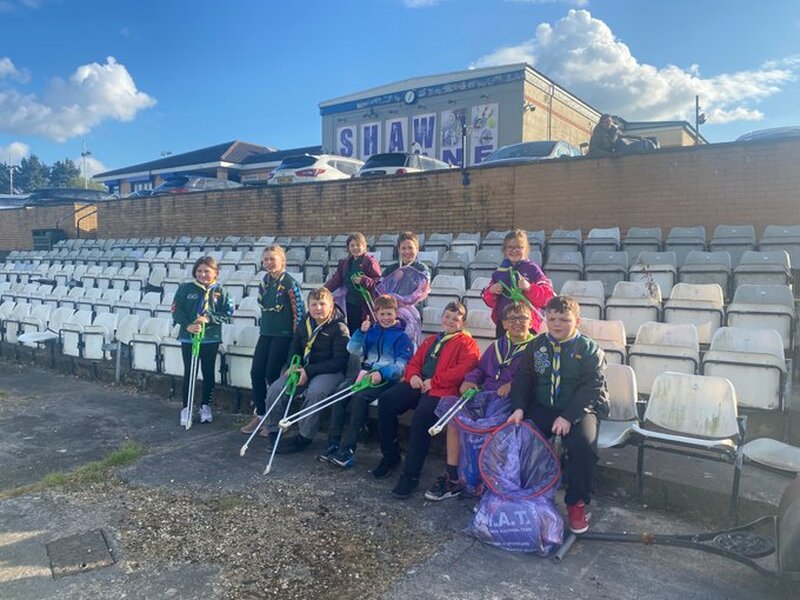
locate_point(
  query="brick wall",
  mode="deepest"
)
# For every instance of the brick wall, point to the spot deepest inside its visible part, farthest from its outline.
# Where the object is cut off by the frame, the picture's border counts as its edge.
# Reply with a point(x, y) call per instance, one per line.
point(732, 184)
point(17, 225)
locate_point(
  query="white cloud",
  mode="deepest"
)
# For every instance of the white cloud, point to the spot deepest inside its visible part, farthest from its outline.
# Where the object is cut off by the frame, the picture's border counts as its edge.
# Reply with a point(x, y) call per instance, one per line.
point(580, 3)
point(419, 3)
point(10, 70)
point(582, 54)
point(14, 152)
point(93, 93)
point(93, 166)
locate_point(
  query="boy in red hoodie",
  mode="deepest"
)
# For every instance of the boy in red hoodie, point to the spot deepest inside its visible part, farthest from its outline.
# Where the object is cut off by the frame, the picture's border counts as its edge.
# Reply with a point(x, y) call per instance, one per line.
point(436, 370)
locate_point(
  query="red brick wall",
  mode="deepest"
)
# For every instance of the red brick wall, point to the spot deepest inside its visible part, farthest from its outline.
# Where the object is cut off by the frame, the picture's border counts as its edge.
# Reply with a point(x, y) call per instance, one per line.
point(732, 184)
point(17, 225)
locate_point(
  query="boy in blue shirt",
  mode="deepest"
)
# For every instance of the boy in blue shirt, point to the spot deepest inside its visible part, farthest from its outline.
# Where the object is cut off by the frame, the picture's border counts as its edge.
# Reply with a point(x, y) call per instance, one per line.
point(385, 350)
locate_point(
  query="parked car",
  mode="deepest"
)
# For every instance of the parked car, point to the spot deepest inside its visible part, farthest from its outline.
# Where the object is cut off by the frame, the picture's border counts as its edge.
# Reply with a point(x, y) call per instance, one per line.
point(774, 134)
point(139, 194)
point(399, 163)
point(48, 196)
point(531, 152)
point(314, 167)
point(183, 184)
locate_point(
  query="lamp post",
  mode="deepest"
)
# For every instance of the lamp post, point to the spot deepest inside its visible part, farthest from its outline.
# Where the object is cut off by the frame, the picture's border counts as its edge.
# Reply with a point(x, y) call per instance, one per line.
point(699, 119)
point(84, 154)
point(11, 178)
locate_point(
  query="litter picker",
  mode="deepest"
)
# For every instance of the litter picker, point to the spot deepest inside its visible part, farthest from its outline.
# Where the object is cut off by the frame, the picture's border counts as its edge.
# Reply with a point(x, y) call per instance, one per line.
point(437, 427)
point(291, 390)
point(194, 365)
point(365, 294)
point(291, 380)
point(365, 383)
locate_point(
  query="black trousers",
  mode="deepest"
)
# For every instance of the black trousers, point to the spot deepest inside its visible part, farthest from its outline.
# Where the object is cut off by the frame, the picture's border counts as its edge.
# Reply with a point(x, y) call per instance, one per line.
point(355, 316)
point(349, 416)
point(581, 446)
point(208, 360)
point(268, 360)
point(391, 404)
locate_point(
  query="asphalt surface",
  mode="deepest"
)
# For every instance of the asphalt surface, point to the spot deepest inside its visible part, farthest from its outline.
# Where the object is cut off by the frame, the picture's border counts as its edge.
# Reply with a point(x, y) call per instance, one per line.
point(51, 422)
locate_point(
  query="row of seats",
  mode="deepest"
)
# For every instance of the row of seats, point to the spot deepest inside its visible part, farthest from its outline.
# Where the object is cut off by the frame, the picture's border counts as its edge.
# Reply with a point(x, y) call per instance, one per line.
point(736, 239)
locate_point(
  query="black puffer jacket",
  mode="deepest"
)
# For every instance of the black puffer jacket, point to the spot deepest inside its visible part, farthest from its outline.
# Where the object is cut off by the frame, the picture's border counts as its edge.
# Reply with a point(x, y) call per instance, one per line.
point(328, 352)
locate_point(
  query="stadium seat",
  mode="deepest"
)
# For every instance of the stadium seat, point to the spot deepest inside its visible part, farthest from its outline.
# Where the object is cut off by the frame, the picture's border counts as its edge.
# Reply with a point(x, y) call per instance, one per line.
point(145, 307)
point(622, 415)
point(236, 284)
point(316, 266)
point(536, 240)
point(753, 360)
point(610, 335)
point(103, 281)
point(429, 258)
point(601, 240)
point(239, 357)
point(493, 240)
point(124, 306)
point(780, 237)
point(736, 239)
point(386, 244)
point(661, 347)
point(658, 267)
point(481, 327)
point(590, 295)
point(473, 297)
point(445, 289)
point(764, 307)
point(773, 455)
point(39, 329)
point(694, 415)
point(563, 265)
point(96, 337)
point(707, 267)
point(702, 305)
point(609, 268)
point(564, 240)
point(248, 312)
point(467, 244)
point(120, 279)
point(438, 242)
point(683, 240)
point(484, 264)
point(453, 263)
point(59, 296)
point(145, 344)
point(432, 319)
point(89, 278)
point(109, 298)
point(763, 267)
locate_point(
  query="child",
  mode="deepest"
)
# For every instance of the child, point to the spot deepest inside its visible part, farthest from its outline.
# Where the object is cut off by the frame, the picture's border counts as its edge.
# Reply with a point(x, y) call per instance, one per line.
point(282, 312)
point(493, 375)
point(436, 370)
point(517, 272)
point(202, 305)
point(321, 342)
point(411, 285)
point(357, 270)
point(561, 387)
point(386, 350)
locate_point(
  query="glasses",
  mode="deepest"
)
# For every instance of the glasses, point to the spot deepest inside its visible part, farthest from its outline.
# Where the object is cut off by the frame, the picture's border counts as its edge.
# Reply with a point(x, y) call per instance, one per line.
point(517, 319)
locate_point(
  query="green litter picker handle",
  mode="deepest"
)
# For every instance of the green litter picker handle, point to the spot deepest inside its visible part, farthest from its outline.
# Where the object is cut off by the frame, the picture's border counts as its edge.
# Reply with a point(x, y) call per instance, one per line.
point(294, 375)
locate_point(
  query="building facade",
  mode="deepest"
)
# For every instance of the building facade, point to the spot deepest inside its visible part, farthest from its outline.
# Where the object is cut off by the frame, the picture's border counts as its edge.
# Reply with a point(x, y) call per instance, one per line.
point(440, 115)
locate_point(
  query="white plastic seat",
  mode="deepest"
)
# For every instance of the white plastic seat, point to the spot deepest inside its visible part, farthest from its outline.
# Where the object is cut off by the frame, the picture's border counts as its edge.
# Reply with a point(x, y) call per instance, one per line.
point(601, 240)
point(484, 263)
point(610, 335)
point(702, 305)
point(634, 303)
point(36, 321)
point(96, 337)
point(175, 277)
point(661, 347)
point(694, 415)
point(171, 354)
point(562, 265)
point(72, 330)
point(564, 240)
point(57, 296)
point(109, 298)
point(236, 283)
point(386, 244)
point(753, 360)
point(607, 267)
point(481, 327)
point(445, 289)
point(773, 454)
point(782, 237)
point(473, 297)
point(763, 267)
point(316, 265)
point(656, 267)
point(683, 240)
point(64, 274)
point(432, 319)
point(766, 307)
point(145, 344)
point(89, 278)
point(429, 258)
point(590, 295)
point(493, 240)
point(103, 281)
point(124, 306)
point(239, 357)
point(466, 243)
point(707, 267)
point(163, 310)
point(48, 330)
point(248, 312)
point(736, 239)
point(155, 277)
point(11, 323)
point(453, 263)
point(120, 280)
point(438, 242)
point(147, 305)
point(622, 415)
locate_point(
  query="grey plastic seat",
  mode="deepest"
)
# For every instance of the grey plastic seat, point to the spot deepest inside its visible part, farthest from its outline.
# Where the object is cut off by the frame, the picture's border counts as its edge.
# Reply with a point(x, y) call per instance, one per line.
point(564, 240)
point(563, 265)
point(782, 237)
point(765, 307)
point(610, 335)
point(453, 263)
point(622, 415)
point(707, 267)
point(607, 267)
point(634, 303)
point(702, 305)
point(590, 296)
point(466, 243)
point(736, 239)
point(658, 267)
point(484, 263)
point(682, 240)
point(763, 267)
point(661, 347)
point(493, 240)
point(601, 240)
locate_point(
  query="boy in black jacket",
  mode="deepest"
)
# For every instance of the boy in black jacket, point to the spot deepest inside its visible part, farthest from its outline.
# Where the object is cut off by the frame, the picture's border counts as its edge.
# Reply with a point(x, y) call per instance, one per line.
point(560, 385)
point(321, 342)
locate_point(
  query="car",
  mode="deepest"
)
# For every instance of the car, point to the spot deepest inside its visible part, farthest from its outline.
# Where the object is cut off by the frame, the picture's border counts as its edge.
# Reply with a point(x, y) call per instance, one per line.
point(139, 194)
point(525, 152)
point(183, 184)
point(774, 134)
point(313, 167)
point(399, 163)
point(53, 196)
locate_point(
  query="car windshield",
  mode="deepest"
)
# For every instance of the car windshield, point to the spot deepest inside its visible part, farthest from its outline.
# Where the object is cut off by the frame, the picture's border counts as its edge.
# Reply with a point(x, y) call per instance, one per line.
point(297, 162)
point(529, 150)
point(389, 159)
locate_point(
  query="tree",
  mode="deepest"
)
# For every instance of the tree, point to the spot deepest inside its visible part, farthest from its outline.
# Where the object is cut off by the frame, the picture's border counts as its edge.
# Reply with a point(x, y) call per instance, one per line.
point(4, 183)
point(32, 174)
point(62, 173)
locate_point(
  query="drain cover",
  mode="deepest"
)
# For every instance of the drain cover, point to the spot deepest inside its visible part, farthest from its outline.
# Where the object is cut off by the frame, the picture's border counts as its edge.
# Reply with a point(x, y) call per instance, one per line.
point(79, 553)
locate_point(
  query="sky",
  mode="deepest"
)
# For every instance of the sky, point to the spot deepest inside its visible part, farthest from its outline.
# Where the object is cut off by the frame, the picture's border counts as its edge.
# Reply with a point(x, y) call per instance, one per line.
point(133, 79)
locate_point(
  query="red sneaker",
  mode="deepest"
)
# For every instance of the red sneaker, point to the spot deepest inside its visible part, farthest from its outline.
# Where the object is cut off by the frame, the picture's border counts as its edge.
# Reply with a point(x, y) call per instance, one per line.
point(576, 517)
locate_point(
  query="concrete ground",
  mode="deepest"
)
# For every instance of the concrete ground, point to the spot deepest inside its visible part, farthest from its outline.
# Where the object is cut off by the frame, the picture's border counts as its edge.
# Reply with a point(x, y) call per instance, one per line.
point(192, 519)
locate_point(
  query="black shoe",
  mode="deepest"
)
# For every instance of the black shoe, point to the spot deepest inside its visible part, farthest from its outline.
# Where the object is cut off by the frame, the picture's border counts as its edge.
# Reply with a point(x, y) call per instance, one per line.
point(294, 444)
point(385, 467)
point(328, 453)
point(343, 458)
point(405, 487)
point(443, 488)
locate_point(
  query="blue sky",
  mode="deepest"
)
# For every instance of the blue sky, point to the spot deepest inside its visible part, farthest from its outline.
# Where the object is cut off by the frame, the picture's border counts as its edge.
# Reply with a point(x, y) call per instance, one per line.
point(192, 73)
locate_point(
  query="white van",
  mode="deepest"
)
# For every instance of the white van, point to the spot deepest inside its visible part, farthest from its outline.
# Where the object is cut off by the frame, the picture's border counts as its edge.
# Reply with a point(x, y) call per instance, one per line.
point(399, 163)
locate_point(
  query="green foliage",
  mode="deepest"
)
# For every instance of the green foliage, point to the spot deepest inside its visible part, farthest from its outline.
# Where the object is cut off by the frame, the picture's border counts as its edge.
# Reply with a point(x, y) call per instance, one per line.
point(63, 172)
point(32, 174)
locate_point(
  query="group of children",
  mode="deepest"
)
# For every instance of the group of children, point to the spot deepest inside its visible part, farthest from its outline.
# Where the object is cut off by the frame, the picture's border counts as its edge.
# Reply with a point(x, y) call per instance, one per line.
point(554, 379)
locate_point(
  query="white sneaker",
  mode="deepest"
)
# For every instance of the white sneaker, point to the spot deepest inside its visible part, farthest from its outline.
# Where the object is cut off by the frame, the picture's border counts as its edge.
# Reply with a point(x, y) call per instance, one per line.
point(205, 414)
point(184, 416)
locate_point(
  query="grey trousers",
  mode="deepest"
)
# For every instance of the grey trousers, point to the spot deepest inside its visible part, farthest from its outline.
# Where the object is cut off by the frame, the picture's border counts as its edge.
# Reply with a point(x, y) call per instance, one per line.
point(318, 388)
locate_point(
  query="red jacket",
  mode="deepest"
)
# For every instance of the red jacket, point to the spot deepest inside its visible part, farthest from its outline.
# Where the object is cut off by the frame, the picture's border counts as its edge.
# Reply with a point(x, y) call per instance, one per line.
point(458, 357)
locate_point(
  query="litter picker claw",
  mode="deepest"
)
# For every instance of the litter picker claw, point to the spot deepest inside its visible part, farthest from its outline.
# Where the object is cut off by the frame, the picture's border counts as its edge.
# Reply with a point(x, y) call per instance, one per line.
point(437, 427)
point(290, 389)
